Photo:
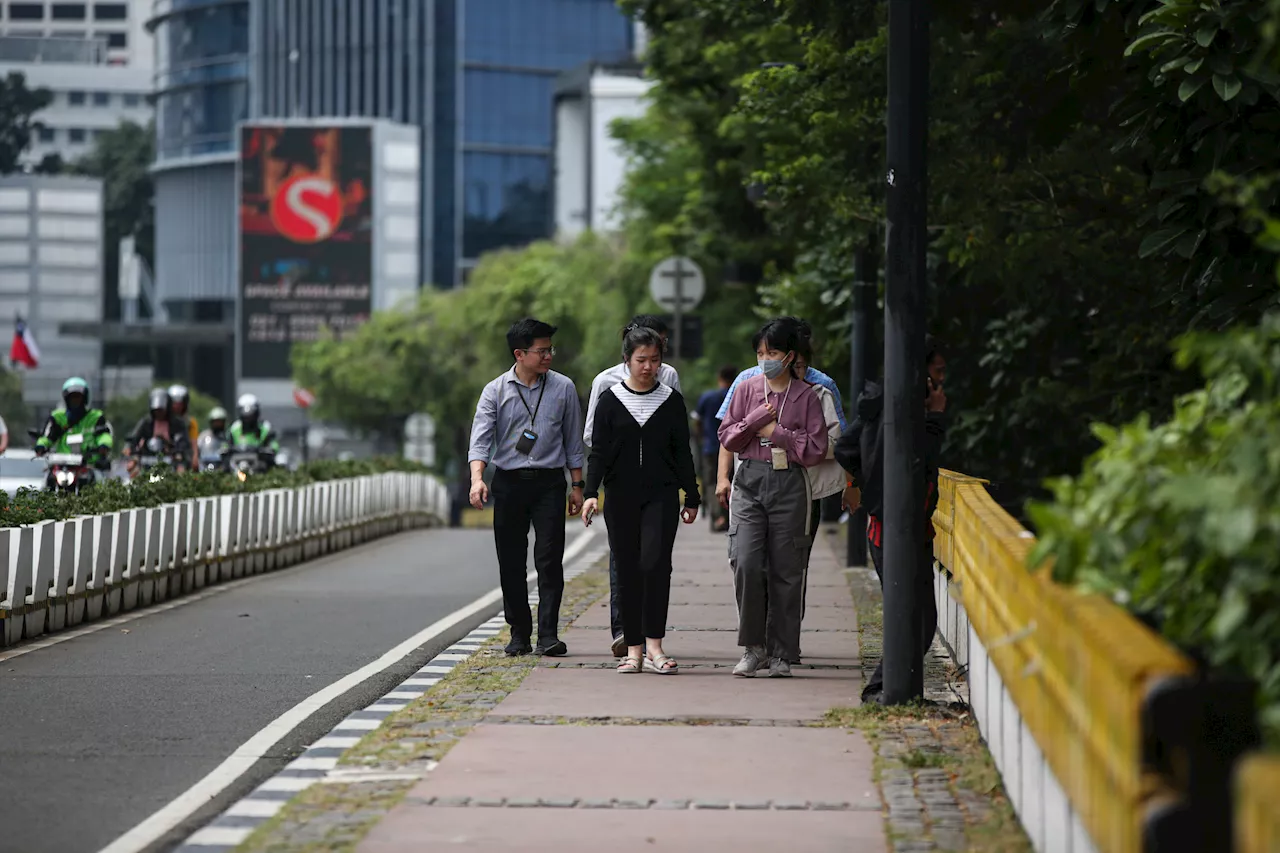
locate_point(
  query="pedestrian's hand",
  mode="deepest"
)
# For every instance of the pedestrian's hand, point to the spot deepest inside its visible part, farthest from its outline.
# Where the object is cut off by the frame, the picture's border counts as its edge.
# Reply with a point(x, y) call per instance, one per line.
point(589, 508)
point(772, 411)
point(851, 499)
point(689, 514)
point(723, 487)
point(575, 501)
point(937, 399)
point(479, 494)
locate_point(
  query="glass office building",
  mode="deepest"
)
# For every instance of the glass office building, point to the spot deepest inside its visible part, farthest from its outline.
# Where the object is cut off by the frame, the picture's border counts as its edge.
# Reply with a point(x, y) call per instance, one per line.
point(475, 76)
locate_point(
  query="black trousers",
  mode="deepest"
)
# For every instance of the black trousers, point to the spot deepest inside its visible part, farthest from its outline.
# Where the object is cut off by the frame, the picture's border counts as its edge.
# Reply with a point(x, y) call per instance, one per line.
point(642, 534)
point(520, 499)
point(924, 599)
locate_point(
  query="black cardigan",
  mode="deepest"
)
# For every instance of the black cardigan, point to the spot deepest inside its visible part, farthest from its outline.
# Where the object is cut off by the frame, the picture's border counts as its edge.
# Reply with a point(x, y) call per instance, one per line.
point(619, 444)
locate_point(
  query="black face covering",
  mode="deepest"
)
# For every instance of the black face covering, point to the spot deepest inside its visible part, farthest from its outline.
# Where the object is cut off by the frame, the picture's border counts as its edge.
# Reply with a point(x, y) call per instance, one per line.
point(75, 413)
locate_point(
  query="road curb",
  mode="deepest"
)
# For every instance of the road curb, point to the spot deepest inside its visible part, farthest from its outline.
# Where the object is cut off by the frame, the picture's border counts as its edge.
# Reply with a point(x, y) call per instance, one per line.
point(319, 762)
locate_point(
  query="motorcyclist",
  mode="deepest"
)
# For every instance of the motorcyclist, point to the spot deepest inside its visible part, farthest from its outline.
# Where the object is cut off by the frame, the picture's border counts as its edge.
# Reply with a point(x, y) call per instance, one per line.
point(180, 397)
point(161, 423)
point(251, 431)
point(218, 423)
point(213, 441)
point(77, 418)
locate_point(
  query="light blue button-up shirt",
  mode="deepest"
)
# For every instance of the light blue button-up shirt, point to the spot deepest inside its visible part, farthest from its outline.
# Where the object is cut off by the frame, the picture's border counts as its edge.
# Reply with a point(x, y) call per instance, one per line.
point(503, 412)
point(815, 377)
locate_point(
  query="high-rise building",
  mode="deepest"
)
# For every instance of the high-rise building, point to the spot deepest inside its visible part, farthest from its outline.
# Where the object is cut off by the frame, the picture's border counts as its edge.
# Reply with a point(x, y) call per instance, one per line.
point(476, 77)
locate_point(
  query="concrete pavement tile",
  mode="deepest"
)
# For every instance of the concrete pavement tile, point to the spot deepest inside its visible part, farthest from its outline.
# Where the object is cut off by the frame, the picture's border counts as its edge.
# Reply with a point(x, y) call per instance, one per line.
point(698, 763)
point(701, 693)
point(413, 829)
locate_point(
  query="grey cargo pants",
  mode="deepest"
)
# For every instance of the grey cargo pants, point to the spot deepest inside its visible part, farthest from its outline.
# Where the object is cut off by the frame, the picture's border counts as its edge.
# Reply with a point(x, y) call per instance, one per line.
point(768, 552)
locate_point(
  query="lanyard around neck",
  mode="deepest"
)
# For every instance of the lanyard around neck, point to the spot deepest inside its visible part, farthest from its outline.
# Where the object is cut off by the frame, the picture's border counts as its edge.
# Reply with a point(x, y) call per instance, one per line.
point(786, 394)
point(533, 413)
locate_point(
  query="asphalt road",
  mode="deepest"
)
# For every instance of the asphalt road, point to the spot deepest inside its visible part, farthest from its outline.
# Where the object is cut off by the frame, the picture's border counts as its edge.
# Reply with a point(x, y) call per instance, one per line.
point(99, 732)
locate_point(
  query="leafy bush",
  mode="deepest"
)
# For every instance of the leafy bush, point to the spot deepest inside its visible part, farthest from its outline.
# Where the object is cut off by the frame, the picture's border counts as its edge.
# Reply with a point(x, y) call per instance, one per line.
point(30, 506)
point(1180, 522)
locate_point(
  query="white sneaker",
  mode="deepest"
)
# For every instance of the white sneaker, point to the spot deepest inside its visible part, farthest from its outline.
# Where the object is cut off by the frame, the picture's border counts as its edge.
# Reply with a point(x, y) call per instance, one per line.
point(752, 659)
point(779, 668)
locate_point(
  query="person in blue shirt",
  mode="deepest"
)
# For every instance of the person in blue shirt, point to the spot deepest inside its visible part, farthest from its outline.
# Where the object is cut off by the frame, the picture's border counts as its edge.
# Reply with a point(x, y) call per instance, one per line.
point(706, 430)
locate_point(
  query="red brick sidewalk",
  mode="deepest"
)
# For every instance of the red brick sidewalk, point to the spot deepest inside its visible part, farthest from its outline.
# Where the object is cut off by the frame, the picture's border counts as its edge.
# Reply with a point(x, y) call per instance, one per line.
point(581, 758)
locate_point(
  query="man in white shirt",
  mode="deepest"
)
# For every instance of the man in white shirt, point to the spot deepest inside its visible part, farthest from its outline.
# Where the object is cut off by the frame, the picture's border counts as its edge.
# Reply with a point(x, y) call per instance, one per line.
point(607, 379)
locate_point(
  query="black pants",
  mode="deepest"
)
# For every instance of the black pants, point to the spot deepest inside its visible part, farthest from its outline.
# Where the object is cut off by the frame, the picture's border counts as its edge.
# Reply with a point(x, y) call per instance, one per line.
point(924, 600)
point(521, 499)
point(642, 533)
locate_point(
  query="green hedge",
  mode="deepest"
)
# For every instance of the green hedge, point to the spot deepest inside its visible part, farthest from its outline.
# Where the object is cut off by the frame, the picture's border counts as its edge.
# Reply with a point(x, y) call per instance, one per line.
point(1180, 521)
point(30, 506)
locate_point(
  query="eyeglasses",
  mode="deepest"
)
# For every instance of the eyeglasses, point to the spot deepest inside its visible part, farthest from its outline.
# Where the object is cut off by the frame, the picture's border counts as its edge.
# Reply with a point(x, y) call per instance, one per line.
point(543, 352)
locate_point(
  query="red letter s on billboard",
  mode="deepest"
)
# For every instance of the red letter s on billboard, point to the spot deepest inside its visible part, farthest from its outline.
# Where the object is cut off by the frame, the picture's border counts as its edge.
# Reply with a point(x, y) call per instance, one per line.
point(307, 209)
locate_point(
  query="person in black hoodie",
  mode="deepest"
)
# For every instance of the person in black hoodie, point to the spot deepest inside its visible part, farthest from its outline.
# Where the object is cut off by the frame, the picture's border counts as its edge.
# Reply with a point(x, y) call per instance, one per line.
point(640, 451)
point(860, 451)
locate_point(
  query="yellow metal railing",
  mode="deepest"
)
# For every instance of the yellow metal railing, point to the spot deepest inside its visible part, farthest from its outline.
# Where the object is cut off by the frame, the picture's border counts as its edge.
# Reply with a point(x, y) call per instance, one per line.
point(1077, 666)
point(1257, 812)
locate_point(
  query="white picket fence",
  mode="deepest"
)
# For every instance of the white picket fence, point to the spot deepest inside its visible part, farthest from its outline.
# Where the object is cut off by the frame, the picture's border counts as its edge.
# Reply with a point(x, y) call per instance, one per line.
point(59, 574)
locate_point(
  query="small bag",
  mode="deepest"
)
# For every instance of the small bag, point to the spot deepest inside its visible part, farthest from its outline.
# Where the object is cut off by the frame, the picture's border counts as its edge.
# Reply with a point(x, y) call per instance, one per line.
point(528, 438)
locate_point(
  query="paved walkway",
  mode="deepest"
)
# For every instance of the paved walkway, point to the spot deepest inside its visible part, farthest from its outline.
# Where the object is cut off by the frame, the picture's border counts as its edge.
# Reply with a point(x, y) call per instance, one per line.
point(581, 758)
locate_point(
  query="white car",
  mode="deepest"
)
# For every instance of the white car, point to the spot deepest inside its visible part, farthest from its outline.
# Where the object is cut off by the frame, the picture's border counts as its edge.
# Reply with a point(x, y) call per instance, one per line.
point(19, 467)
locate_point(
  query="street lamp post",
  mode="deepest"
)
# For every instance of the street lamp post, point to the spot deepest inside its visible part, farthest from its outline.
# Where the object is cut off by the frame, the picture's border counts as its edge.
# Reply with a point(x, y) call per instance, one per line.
point(861, 302)
point(904, 314)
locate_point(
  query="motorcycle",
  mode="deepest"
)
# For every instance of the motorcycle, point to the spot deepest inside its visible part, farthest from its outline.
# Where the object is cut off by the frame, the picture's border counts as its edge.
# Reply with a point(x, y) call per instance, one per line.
point(244, 460)
point(72, 471)
point(209, 454)
point(157, 452)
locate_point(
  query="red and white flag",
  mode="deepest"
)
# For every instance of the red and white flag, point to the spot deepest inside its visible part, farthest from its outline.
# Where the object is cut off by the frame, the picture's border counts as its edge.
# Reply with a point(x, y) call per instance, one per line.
point(24, 350)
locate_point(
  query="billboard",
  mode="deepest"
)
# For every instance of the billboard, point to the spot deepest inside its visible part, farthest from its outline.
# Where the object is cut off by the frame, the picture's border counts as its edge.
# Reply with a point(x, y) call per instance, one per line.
point(306, 239)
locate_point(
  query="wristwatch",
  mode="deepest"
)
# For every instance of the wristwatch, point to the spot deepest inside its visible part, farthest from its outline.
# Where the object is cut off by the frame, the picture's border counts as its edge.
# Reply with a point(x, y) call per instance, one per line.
point(579, 484)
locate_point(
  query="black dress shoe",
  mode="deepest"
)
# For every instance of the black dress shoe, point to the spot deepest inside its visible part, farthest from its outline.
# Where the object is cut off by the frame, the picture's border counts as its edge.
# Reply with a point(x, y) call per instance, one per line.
point(555, 650)
point(518, 646)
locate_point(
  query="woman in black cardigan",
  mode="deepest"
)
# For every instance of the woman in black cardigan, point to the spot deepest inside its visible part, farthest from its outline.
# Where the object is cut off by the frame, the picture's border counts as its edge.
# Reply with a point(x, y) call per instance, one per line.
point(640, 451)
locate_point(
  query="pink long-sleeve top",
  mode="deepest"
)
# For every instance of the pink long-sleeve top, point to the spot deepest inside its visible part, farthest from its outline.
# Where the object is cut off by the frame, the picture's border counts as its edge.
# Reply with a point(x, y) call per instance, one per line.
point(801, 430)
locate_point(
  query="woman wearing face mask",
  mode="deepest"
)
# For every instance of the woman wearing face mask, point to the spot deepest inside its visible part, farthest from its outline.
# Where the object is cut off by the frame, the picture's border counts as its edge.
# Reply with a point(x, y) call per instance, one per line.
point(776, 426)
point(640, 451)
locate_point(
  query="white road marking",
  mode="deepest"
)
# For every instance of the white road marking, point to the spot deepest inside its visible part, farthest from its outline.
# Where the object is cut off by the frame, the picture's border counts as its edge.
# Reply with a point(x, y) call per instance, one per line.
point(256, 808)
point(255, 748)
point(220, 836)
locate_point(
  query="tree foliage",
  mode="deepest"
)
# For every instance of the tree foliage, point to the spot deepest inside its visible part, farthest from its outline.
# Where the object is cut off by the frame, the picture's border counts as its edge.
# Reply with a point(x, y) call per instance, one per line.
point(18, 106)
point(1073, 231)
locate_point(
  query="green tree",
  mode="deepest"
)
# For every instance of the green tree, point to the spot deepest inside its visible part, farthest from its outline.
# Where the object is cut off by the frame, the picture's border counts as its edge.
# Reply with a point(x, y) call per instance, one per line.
point(436, 356)
point(15, 411)
point(18, 106)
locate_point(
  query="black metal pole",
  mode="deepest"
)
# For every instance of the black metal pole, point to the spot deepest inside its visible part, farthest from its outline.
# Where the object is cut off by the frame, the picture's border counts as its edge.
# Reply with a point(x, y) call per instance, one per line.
point(904, 328)
point(859, 348)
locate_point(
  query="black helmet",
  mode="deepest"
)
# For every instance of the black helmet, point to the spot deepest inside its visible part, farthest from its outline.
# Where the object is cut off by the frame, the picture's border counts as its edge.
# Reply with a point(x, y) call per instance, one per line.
point(157, 400)
point(247, 407)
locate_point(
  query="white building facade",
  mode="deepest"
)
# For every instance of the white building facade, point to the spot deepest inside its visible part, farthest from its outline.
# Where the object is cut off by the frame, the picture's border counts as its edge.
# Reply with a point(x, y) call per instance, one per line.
point(590, 164)
point(51, 273)
point(96, 58)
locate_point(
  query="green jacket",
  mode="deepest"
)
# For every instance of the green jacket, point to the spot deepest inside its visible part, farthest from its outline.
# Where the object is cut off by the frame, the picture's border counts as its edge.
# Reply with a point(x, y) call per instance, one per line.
point(263, 437)
point(57, 428)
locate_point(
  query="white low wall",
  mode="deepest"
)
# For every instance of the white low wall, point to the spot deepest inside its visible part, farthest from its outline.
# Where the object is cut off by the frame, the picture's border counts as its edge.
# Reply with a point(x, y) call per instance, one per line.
point(59, 574)
point(1040, 801)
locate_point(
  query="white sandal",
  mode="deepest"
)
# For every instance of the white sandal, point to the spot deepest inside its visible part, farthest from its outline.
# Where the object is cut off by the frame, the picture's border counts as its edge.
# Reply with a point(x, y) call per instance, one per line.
point(660, 664)
point(629, 666)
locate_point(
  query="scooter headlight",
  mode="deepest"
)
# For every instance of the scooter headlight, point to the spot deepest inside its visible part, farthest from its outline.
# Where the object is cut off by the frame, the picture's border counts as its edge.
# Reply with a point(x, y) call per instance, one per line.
point(64, 478)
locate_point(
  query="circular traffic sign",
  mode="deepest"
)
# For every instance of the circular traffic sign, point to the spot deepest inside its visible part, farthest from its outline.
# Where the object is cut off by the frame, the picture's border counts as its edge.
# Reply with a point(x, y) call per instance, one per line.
point(677, 273)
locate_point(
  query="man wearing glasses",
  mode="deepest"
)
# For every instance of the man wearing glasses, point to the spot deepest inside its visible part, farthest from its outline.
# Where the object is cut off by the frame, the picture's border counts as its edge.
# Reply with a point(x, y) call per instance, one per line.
point(528, 425)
